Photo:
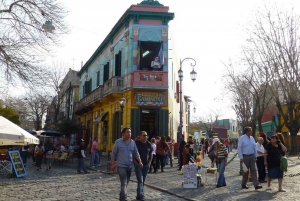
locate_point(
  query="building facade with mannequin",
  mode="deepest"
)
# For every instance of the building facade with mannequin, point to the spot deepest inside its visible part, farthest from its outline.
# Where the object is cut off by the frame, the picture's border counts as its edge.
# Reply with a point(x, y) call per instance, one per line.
point(123, 68)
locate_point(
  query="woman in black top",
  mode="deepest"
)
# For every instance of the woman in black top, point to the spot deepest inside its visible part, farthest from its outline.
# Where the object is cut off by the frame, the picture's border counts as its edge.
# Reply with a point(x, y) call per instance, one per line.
point(273, 152)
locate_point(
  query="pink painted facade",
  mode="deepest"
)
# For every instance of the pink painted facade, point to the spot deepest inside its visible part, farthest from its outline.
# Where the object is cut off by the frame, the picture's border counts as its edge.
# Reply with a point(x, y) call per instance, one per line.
point(146, 79)
point(163, 9)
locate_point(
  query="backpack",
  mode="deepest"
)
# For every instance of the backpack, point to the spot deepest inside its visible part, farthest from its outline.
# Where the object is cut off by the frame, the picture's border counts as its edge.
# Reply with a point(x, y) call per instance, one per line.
point(283, 164)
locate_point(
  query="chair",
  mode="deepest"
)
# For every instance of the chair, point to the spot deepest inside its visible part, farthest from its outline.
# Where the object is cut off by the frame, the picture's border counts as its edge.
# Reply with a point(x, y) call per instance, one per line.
point(63, 157)
point(55, 156)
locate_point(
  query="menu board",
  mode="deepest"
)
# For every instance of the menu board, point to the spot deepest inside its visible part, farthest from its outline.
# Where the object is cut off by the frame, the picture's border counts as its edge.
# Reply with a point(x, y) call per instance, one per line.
point(190, 176)
point(17, 163)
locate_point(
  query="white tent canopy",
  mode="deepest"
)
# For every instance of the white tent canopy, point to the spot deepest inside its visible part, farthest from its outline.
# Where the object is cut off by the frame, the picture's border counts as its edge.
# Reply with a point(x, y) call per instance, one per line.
point(11, 134)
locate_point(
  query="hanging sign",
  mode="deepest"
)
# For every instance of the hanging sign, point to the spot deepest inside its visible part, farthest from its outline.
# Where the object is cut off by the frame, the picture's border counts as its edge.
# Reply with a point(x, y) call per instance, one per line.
point(17, 163)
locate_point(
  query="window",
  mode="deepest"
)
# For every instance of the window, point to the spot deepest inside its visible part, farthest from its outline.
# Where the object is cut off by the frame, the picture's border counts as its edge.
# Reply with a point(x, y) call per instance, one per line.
point(118, 63)
point(147, 53)
point(98, 79)
point(88, 87)
point(106, 72)
point(83, 91)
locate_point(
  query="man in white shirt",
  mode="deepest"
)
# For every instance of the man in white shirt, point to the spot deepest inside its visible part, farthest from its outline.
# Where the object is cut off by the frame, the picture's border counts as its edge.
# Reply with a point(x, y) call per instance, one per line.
point(247, 154)
point(260, 160)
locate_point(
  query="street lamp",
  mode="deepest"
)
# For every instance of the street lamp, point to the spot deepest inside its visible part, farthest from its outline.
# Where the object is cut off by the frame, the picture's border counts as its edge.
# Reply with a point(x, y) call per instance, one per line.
point(122, 104)
point(180, 75)
point(194, 104)
point(189, 112)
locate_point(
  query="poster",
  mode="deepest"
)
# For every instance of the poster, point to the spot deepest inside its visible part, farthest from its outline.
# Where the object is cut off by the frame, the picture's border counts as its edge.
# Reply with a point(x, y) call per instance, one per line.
point(190, 176)
point(17, 163)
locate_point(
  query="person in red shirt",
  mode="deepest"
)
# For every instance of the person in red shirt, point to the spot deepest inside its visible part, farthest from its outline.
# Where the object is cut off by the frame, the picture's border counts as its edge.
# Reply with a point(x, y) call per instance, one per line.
point(94, 154)
point(227, 143)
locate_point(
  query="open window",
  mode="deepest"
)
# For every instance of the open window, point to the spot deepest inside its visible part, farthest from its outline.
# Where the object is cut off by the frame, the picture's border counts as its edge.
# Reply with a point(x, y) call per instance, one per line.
point(118, 63)
point(105, 72)
point(148, 50)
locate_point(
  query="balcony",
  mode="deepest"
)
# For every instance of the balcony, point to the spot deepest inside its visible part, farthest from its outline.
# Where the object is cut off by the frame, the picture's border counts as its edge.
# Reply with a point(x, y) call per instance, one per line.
point(113, 85)
point(146, 79)
point(85, 104)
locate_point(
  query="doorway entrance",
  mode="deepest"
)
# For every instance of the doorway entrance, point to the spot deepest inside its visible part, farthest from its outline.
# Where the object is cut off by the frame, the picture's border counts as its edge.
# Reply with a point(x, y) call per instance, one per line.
point(149, 121)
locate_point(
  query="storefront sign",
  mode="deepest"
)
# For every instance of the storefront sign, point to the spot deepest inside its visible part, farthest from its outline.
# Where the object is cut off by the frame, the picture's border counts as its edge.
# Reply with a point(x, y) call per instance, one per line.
point(17, 163)
point(150, 99)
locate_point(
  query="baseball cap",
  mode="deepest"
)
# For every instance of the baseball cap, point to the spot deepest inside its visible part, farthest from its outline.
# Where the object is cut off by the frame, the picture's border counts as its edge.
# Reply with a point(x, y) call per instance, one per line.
point(215, 140)
point(81, 140)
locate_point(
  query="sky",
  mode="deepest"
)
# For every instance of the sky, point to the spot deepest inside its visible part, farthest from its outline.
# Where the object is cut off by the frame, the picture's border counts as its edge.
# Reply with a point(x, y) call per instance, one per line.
point(210, 31)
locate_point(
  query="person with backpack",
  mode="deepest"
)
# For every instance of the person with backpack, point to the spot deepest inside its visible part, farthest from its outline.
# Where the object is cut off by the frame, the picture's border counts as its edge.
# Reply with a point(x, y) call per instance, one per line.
point(48, 154)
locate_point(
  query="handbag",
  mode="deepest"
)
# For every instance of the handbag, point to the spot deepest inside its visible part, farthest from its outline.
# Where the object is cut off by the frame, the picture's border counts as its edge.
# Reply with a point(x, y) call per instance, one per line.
point(283, 164)
point(38, 152)
point(212, 153)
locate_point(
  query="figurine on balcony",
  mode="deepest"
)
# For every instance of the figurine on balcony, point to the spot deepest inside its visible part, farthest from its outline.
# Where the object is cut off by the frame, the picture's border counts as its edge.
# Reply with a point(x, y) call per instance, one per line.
point(155, 65)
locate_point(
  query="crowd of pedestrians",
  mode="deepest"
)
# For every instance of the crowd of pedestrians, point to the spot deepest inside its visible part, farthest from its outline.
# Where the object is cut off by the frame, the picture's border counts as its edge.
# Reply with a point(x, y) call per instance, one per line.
point(261, 159)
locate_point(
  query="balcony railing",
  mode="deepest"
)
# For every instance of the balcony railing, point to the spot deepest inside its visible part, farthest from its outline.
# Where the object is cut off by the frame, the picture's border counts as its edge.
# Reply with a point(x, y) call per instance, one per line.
point(94, 96)
point(113, 85)
point(146, 79)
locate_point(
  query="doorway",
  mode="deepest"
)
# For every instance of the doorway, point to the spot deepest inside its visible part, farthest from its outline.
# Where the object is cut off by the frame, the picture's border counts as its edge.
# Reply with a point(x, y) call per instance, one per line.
point(149, 121)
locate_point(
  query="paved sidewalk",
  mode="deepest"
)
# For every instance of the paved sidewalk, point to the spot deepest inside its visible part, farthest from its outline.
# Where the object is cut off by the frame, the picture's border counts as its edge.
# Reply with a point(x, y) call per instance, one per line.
point(62, 183)
point(170, 182)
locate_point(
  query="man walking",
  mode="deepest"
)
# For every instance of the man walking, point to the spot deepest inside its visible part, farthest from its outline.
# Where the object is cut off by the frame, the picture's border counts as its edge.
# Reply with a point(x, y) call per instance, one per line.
point(247, 154)
point(124, 152)
point(145, 150)
point(181, 147)
point(95, 154)
point(80, 158)
point(260, 160)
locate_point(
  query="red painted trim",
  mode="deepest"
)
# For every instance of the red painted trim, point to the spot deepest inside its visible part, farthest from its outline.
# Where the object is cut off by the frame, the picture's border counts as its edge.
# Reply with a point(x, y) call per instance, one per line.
point(154, 22)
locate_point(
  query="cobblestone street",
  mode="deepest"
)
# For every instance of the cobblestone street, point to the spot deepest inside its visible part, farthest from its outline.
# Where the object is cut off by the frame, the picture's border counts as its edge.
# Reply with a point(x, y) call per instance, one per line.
point(62, 183)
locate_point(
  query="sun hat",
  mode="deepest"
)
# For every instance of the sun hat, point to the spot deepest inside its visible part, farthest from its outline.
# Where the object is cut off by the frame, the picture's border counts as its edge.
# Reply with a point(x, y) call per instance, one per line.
point(215, 140)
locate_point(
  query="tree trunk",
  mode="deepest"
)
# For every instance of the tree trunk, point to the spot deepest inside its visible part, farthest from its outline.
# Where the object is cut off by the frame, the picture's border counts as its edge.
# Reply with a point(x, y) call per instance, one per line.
point(294, 147)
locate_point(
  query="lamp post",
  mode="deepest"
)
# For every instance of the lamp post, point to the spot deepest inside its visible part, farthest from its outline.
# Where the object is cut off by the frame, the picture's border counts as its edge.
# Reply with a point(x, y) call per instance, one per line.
point(122, 103)
point(189, 114)
point(180, 75)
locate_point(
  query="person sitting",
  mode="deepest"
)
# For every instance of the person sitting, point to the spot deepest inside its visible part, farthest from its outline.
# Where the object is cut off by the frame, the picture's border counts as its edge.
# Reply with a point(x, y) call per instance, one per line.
point(155, 65)
point(63, 148)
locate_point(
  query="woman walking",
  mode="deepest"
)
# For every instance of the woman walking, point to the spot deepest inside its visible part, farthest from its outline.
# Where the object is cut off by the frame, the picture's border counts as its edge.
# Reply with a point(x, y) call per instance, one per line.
point(161, 150)
point(221, 160)
point(273, 152)
point(169, 153)
point(48, 154)
point(153, 145)
point(38, 154)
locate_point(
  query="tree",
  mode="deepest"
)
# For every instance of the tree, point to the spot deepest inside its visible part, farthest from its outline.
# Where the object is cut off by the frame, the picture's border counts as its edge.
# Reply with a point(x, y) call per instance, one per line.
point(10, 114)
point(68, 127)
point(38, 104)
point(24, 43)
point(274, 44)
point(207, 122)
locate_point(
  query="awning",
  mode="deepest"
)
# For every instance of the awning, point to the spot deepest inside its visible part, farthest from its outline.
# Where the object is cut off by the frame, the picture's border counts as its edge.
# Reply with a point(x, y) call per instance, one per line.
point(100, 118)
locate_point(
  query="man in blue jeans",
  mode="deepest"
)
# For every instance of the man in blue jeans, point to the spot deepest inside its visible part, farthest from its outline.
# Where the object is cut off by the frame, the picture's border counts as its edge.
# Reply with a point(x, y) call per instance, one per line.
point(80, 158)
point(145, 150)
point(122, 156)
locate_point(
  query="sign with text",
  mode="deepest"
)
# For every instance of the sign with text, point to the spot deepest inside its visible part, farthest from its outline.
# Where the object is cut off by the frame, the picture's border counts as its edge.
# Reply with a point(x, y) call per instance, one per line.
point(150, 98)
point(17, 163)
